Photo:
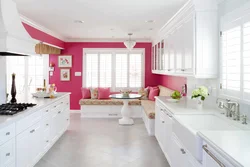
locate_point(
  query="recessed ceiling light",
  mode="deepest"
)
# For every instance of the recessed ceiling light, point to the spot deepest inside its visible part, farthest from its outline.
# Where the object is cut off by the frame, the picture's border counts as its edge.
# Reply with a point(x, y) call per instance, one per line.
point(149, 21)
point(79, 21)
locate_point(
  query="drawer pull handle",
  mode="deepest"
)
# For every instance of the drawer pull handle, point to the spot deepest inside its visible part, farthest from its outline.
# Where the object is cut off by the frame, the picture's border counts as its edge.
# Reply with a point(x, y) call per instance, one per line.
point(54, 106)
point(212, 156)
point(47, 124)
point(183, 151)
point(67, 119)
point(47, 111)
point(32, 131)
point(47, 141)
point(113, 114)
point(8, 154)
point(163, 122)
point(59, 112)
point(61, 102)
point(8, 133)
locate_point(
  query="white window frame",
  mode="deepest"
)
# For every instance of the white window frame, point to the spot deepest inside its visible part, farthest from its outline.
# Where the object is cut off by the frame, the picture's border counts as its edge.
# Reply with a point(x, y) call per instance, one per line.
point(238, 17)
point(113, 51)
point(45, 72)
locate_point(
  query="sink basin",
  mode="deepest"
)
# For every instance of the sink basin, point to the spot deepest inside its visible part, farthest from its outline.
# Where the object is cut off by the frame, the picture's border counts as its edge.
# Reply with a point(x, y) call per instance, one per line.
point(205, 122)
point(185, 127)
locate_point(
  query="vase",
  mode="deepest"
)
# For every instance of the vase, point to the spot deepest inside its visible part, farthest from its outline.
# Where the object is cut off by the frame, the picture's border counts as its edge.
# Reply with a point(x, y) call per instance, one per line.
point(13, 89)
point(199, 103)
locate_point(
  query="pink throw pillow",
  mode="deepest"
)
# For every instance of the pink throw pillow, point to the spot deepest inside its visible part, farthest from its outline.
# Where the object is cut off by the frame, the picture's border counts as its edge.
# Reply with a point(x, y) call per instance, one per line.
point(103, 93)
point(86, 93)
point(153, 91)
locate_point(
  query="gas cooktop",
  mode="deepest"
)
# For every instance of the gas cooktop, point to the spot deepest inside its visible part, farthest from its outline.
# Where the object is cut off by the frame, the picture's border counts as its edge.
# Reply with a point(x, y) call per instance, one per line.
point(14, 108)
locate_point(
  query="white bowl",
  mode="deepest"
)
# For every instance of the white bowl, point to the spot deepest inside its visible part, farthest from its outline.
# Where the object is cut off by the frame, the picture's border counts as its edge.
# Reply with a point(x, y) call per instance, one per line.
point(173, 100)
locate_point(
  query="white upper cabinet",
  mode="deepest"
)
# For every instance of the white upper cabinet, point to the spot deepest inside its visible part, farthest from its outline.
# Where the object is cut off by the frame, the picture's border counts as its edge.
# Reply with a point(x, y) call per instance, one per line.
point(190, 42)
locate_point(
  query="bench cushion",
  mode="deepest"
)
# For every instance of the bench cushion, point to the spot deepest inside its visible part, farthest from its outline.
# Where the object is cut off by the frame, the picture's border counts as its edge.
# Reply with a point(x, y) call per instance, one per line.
point(149, 108)
point(107, 102)
point(164, 91)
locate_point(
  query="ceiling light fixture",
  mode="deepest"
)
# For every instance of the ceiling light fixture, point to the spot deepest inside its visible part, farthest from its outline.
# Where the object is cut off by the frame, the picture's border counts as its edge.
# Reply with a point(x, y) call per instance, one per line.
point(79, 21)
point(130, 44)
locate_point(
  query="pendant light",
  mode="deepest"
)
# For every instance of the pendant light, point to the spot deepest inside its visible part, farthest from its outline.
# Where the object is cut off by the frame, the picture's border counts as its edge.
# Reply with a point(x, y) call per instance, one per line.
point(130, 44)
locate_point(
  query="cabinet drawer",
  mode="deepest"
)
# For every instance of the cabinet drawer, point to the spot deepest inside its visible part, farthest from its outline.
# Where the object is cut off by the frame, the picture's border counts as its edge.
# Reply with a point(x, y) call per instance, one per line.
point(28, 121)
point(7, 153)
point(7, 133)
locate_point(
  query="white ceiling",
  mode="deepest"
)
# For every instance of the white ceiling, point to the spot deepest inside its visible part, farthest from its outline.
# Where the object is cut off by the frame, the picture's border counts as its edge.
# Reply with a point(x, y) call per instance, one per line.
point(100, 16)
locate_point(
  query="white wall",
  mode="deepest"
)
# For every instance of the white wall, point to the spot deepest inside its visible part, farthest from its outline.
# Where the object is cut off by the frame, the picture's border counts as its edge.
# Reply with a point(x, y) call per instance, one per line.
point(2, 79)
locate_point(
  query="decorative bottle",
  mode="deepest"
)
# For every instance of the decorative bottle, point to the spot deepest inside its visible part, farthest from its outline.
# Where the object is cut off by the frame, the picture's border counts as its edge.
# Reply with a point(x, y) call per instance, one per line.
point(13, 89)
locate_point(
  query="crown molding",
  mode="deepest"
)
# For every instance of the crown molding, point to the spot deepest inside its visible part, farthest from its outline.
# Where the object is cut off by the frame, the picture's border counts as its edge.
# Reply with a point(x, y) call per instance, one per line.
point(40, 27)
point(104, 40)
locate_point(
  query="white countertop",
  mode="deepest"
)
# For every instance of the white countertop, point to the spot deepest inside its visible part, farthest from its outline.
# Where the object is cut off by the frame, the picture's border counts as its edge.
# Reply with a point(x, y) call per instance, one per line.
point(41, 103)
point(234, 145)
point(185, 106)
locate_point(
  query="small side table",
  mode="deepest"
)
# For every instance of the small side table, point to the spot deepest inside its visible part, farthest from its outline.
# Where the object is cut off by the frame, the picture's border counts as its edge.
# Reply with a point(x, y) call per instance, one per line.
point(126, 110)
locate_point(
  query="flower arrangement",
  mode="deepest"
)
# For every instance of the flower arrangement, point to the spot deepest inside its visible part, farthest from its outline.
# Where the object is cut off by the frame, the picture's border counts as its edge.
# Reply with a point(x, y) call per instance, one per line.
point(201, 92)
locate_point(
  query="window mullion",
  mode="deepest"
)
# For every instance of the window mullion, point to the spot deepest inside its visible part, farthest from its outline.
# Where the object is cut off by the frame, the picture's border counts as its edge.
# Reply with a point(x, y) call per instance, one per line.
point(113, 74)
point(128, 69)
point(26, 74)
point(98, 70)
point(242, 64)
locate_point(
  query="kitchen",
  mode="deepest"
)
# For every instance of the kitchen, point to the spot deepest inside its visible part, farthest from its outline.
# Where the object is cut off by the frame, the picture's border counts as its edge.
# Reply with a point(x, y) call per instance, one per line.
point(195, 48)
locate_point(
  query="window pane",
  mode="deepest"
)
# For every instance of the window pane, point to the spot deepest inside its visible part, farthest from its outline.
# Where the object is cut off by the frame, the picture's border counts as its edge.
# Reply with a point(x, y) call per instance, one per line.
point(16, 65)
point(135, 70)
point(231, 52)
point(91, 70)
point(121, 70)
point(105, 70)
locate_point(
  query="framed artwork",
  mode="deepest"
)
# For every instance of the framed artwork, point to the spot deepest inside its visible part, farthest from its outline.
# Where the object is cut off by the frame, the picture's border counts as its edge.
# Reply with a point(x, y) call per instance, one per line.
point(65, 61)
point(65, 74)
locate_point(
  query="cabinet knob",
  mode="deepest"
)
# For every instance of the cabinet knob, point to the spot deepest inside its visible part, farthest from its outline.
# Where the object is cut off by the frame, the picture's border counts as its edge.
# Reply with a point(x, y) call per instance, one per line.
point(8, 154)
point(54, 106)
point(47, 124)
point(67, 119)
point(183, 151)
point(32, 131)
point(59, 112)
point(47, 141)
point(61, 102)
point(163, 122)
point(8, 133)
point(47, 111)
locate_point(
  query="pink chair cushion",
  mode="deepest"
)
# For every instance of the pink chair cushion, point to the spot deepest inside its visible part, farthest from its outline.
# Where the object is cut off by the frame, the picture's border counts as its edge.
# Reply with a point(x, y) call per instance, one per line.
point(103, 93)
point(153, 91)
point(86, 93)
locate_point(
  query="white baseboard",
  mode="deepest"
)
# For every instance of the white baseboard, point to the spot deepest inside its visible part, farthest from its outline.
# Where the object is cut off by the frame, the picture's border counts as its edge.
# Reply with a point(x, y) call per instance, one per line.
point(75, 111)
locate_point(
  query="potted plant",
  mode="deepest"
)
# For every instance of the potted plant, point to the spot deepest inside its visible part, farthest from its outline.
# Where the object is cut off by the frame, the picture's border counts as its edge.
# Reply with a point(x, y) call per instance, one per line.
point(200, 94)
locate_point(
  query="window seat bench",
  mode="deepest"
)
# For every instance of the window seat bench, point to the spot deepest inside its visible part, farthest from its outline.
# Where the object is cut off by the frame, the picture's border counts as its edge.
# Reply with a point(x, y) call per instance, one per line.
point(111, 108)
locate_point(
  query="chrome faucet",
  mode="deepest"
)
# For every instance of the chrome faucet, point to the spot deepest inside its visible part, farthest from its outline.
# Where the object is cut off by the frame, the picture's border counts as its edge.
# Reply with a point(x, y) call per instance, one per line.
point(232, 108)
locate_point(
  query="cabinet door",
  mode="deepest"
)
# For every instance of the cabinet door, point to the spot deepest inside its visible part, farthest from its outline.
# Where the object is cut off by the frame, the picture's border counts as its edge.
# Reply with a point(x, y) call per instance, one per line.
point(7, 153)
point(188, 45)
point(157, 123)
point(178, 155)
point(168, 134)
point(171, 55)
point(28, 147)
point(166, 56)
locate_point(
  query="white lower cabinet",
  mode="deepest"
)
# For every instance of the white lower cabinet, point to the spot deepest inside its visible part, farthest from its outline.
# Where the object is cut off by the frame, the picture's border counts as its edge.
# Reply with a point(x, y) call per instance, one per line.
point(213, 159)
point(7, 153)
point(29, 146)
point(173, 149)
point(36, 140)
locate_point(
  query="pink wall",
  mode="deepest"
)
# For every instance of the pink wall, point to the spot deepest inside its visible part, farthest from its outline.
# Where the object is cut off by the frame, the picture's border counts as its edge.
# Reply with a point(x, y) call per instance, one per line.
point(172, 82)
point(42, 36)
point(75, 83)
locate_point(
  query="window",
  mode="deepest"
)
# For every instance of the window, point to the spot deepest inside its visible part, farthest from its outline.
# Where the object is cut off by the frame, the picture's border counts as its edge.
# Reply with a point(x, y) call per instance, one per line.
point(30, 72)
point(235, 59)
point(113, 68)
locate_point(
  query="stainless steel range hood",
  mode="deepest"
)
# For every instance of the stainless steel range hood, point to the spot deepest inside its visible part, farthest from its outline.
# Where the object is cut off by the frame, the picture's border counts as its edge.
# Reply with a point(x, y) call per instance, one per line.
point(14, 39)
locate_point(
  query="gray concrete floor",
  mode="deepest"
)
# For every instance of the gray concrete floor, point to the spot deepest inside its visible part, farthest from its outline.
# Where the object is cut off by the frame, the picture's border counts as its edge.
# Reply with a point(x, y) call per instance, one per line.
point(104, 143)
